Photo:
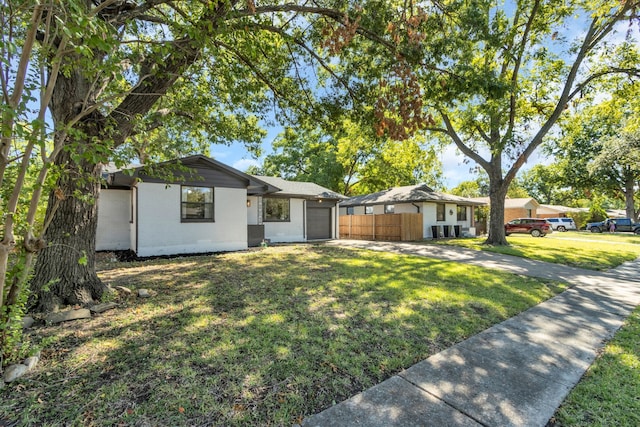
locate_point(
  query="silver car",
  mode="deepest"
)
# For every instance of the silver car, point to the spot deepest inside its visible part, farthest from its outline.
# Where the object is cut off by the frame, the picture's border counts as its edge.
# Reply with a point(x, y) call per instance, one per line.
point(562, 224)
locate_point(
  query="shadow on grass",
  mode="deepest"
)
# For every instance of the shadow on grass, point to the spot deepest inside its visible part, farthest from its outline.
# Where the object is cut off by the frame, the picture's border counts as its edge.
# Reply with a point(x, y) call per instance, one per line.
point(260, 337)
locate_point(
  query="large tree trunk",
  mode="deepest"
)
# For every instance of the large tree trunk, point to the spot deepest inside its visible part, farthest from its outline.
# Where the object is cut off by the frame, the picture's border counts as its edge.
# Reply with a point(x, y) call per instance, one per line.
point(497, 193)
point(629, 197)
point(65, 270)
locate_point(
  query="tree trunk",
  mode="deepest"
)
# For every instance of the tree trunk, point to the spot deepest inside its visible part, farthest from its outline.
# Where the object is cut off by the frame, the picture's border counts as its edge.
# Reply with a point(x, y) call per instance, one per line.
point(629, 197)
point(65, 270)
point(497, 193)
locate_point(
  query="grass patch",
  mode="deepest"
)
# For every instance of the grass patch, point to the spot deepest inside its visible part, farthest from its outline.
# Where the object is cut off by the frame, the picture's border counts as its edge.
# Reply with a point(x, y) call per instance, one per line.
point(258, 338)
point(609, 393)
point(585, 250)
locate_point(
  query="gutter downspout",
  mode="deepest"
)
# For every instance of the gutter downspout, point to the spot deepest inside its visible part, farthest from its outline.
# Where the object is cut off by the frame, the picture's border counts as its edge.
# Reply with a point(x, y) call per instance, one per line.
point(417, 206)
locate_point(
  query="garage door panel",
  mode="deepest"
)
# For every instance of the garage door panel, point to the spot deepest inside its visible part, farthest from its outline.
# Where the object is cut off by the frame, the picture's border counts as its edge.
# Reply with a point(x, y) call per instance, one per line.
point(318, 223)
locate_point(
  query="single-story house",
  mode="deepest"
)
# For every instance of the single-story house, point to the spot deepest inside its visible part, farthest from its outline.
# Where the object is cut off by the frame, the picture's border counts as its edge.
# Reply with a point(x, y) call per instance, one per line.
point(556, 211)
point(525, 207)
point(198, 205)
point(440, 210)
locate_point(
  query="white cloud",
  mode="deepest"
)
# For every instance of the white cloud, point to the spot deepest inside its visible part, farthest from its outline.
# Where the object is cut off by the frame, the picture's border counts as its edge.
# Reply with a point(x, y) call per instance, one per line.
point(243, 164)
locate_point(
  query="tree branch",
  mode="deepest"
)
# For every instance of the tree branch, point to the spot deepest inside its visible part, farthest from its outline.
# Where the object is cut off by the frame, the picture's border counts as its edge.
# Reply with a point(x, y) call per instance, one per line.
point(461, 145)
point(516, 70)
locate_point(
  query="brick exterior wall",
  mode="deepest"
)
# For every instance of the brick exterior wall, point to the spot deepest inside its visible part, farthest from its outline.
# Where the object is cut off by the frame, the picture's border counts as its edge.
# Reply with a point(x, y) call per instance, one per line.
point(513, 213)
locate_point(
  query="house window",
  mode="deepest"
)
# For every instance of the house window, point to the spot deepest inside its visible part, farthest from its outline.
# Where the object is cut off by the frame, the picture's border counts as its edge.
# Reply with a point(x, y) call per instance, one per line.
point(389, 209)
point(196, 204)
point(440, 212)
point(275, 210)
point(350, 210)
point(462, 213)
point(368, 210)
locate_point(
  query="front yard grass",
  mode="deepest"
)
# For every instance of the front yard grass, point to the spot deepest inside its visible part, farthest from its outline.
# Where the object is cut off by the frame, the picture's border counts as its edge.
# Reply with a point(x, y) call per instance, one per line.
point(257, 338)
point(609, 393)
point(585, 250)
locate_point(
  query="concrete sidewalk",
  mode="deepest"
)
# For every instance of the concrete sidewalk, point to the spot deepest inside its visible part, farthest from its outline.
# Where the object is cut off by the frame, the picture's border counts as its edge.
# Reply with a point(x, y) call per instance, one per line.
point(515, 373)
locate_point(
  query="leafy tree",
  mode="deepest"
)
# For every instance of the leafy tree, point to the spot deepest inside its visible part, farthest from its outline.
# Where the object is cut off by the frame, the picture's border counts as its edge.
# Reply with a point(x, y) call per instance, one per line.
point(495, 78)
point(108, 67)
point(468, 189)
point(596, 149)
point(619, 160)
point(544, 183)
point(350, 159)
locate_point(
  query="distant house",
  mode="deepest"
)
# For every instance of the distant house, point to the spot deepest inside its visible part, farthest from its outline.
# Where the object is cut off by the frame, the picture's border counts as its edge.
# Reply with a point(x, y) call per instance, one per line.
point(556, 211)
point(440, 211)
point(526, 207)
point(197, 205)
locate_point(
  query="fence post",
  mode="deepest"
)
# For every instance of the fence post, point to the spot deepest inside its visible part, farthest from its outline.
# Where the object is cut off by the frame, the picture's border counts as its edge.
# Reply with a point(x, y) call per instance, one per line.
point(373, 228)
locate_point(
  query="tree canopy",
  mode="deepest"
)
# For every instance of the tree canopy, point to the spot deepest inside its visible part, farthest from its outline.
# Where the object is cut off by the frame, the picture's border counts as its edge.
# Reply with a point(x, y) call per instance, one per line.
point(595, 150)
point(348, 157)
point(495, 78)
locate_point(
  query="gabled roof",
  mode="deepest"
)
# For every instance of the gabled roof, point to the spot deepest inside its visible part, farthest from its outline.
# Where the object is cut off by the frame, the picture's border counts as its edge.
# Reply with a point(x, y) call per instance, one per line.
point(557, 208)
point(522, 202)
point(301, 189)
point(408, 194)
point(121, 178)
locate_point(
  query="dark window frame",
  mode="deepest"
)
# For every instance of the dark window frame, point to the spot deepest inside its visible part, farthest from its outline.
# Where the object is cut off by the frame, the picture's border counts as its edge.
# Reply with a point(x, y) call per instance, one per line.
point(204, 205)
point(265, 202)
point(368, 210)
point(461, 213)
point(350, 210)
point(441, 212)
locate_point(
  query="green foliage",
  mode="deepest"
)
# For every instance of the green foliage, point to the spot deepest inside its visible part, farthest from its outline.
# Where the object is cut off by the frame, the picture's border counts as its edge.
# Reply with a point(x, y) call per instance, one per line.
point(580, 218)
point(497, 77)
point(596, 153)
point(544, 183)
point(517, 190)
point(13, 346)
point(349, 158)
point(596, 211)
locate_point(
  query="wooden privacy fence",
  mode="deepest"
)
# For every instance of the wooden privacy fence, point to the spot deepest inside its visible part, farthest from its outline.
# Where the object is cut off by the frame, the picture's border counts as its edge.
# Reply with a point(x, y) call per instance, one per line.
point(396, 227)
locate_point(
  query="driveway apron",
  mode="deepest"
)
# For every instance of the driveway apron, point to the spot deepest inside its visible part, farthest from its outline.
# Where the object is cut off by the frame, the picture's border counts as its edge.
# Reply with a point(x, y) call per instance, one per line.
point(515, 373)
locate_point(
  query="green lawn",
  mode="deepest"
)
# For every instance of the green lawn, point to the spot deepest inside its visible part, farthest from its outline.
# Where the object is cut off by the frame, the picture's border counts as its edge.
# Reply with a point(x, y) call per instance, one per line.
point(609, 393)
point(257, 338)
point(585, 250)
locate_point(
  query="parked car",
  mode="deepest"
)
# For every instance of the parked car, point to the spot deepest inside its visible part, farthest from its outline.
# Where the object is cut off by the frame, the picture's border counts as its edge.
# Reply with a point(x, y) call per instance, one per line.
point(620, 224)
point(537, 227)
point(562, 224)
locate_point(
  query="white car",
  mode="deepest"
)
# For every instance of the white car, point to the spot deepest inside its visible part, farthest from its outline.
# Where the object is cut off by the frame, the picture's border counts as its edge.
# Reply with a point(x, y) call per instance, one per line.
point(562, 224)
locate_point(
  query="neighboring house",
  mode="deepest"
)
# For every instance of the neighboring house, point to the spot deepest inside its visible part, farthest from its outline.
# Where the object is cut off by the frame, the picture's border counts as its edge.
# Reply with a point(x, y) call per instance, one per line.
point(526, 207)
point(197, 205)
point(440, 210)
point(556, 211)
point(616, 213)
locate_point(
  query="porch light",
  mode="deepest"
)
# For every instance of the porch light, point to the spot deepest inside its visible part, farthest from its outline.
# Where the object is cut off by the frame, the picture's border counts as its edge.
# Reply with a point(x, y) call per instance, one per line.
point(248, 203)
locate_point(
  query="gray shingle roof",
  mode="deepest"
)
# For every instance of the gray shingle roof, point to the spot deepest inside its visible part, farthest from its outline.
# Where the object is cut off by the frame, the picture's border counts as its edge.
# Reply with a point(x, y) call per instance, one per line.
point(304, 189)
point(408, 194)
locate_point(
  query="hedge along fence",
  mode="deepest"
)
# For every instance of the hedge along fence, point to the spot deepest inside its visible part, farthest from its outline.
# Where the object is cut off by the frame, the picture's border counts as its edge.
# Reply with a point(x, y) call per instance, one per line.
point(396, 227)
